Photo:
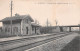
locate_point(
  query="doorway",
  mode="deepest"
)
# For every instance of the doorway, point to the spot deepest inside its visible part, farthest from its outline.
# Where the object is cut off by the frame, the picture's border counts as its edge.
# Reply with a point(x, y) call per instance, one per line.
point(35, 30)
point(26, 30)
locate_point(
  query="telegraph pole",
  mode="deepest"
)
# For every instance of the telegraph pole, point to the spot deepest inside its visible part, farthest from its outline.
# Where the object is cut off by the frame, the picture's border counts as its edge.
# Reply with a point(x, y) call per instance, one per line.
point(11, 16)
point(56, 22)
point(47, 23)
point(11, 7)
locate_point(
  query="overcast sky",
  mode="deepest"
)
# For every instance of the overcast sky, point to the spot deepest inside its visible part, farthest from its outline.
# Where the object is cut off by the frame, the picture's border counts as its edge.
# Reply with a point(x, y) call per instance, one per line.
point(66, 12)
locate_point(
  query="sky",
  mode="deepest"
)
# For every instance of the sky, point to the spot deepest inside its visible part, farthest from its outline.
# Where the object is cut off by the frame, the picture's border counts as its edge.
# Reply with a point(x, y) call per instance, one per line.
point(65, 12)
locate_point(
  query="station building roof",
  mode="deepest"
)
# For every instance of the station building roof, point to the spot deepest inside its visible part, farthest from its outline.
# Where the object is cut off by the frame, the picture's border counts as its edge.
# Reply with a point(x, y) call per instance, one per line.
point(17, 17)
point(34, 24)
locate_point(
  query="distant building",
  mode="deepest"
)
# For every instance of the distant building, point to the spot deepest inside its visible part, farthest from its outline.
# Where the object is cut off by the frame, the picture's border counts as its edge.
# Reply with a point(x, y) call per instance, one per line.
point(21, 25)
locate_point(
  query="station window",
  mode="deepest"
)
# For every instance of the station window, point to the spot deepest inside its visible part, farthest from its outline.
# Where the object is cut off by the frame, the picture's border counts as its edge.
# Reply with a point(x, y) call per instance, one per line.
point(26, 20)
point(5, 29)
point(15, 29)
point(8, 30)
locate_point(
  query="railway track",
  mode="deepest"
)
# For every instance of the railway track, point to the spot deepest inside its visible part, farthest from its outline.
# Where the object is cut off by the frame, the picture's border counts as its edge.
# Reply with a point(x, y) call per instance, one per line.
point(11, 43)
point(19, 40)
point(23, 39)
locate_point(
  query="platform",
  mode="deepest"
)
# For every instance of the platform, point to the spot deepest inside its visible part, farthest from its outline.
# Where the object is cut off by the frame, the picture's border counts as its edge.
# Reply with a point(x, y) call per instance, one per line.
point(20, 37)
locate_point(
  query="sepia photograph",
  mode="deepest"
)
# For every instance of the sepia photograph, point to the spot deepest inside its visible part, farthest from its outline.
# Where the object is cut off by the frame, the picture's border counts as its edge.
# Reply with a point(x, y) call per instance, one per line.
point(39, 25)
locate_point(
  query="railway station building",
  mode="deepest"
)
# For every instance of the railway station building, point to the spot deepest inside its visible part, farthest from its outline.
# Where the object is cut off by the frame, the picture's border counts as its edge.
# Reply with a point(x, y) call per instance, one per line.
point(21, 25)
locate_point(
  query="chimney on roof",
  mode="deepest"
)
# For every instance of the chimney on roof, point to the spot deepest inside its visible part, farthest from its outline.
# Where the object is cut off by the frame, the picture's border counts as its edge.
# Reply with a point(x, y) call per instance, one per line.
point(16, 14)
